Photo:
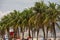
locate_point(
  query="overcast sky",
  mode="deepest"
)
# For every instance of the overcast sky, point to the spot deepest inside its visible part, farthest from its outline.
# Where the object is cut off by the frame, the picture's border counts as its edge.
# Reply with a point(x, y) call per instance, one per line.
point(9, 5)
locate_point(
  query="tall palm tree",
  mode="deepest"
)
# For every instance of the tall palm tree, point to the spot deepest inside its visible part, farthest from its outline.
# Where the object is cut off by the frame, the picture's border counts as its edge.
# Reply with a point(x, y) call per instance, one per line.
point(5, 24)
point(11, 19)
point(32, 24)
point(27, 14)
point(51, 18)
point(40, 8)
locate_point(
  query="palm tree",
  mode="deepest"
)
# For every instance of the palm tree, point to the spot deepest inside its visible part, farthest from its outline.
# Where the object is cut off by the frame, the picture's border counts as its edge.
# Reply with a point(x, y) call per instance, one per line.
point(32, 24)
point(5, 24)
point(26, 16)
point(11, 19)
point(40, 8)
point(51, 18)
point(16, 16)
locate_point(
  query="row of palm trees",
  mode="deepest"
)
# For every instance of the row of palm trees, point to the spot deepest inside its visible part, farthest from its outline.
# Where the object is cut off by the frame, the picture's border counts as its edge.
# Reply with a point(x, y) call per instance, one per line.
point(41, 16)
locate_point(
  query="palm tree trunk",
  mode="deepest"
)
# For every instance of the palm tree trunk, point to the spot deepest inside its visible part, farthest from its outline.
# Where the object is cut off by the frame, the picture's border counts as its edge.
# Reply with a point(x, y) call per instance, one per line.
point(23, 34)
point(8, 33)
point(29, 33)
point(43, 33)
point(3, 36)
point(51, 32)
point(2, 33)
point(47, 32)
point(37, 34)
point(54, 31)
point(15, 33)
point(18, 33)
point(32, 34)
point(54, 34)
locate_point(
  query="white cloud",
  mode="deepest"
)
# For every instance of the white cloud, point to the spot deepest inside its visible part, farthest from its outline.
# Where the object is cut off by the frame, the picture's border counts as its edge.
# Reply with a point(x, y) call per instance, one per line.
point(4, 13)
